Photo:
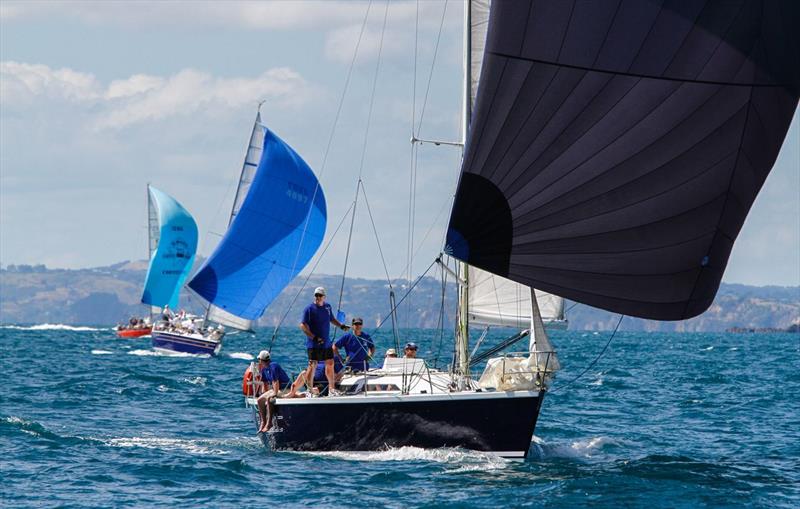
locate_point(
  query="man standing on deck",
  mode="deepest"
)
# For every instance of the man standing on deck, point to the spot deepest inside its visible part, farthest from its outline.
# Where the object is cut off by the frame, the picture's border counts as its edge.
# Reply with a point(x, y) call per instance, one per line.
point(358, 345)
point(317, 318)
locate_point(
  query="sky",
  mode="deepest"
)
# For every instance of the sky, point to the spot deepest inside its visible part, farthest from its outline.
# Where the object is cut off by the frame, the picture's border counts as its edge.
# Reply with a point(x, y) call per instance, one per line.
point(97, 99)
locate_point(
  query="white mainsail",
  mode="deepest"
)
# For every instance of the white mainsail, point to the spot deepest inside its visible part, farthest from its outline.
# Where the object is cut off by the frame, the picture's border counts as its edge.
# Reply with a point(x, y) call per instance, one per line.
point(497, 301)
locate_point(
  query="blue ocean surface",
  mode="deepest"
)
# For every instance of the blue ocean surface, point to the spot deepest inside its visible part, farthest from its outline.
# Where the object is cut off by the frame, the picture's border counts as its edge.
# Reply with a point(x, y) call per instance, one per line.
point(662, 420)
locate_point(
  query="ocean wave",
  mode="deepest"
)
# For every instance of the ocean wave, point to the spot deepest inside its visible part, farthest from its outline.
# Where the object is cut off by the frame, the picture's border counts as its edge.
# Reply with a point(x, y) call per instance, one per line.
point(241, 355)
point(52, 326)
point(102, 352)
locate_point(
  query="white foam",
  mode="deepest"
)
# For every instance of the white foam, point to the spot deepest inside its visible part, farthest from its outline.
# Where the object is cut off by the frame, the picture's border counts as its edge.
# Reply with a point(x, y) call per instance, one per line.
point(197, 380)
point(241, 355)
point(52, 326)
point(196, 446)
point(164, 353)
point(466, 460)
point(102, 352)
point(708, 349)
point(583, 448)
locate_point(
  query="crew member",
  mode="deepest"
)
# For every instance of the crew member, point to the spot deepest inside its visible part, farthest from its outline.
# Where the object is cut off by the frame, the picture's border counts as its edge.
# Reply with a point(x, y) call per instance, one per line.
point(358, 345)
point(275, 382)
point(410, 351)
point(317, 318)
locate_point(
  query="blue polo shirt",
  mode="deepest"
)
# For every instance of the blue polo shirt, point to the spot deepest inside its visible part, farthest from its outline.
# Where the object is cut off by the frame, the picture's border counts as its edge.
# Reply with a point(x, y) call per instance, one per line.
point(319, 374)
point(357, 348)
point(273, 372)
point(318, 319)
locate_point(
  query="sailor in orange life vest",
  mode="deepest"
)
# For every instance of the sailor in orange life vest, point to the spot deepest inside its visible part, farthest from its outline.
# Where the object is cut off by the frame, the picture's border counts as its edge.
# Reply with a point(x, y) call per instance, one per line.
point(275, 381)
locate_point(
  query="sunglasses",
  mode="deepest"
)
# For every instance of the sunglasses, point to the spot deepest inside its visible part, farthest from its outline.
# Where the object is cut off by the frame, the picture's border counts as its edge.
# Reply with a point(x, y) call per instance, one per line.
point(357, 323)
point(318, 295)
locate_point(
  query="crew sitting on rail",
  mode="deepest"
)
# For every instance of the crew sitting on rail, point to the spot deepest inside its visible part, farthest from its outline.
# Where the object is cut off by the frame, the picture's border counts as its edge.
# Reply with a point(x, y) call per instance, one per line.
point(276, 382)
point(391, 353)
point(358, 345)
point(410, 351)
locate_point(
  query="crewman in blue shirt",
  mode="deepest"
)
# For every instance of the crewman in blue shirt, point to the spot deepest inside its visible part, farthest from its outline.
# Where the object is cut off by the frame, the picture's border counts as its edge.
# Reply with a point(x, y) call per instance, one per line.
point(275, 381)
point(317, 318)
point(358, 345)
point(338, 371)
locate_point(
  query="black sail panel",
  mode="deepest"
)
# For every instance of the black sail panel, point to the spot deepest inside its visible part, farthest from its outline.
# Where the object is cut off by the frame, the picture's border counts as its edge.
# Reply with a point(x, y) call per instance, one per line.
point(617, 147)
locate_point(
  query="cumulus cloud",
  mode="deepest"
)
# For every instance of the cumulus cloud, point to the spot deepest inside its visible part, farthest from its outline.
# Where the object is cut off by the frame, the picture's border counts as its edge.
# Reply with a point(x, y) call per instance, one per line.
point(142, 98)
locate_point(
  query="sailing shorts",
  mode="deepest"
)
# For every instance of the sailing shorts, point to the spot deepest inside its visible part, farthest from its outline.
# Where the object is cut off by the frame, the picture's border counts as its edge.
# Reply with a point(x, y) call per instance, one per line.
point(320, 354)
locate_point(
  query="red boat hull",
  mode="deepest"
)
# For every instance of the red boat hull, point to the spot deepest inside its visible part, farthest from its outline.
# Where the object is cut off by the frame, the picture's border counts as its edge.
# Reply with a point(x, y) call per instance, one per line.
point(134, 333)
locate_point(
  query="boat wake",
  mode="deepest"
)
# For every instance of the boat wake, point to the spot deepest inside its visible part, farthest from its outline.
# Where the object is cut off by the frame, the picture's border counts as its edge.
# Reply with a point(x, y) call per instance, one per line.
point(205, 447)
point(166, 353)
point(465, 459)
point(580, 449)
point(241, 355)
point(52, 326)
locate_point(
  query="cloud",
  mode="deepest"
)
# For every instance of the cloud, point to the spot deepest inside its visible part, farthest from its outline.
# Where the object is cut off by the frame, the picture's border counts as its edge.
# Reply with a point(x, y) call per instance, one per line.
point(246, 14)
point(142, 98)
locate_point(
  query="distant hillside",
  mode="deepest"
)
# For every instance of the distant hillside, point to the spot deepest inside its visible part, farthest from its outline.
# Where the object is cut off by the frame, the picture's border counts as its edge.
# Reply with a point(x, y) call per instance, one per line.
point(108, 295)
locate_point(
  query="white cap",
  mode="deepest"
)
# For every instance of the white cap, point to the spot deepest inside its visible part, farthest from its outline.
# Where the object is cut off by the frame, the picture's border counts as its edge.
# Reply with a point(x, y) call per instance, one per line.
point(263, 355)
point(321, 290)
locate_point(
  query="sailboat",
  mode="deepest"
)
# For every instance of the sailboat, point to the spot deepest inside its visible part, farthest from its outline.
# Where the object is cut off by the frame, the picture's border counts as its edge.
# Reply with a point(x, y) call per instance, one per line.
point(276, 225)
point(172, 243)
point(612, 156)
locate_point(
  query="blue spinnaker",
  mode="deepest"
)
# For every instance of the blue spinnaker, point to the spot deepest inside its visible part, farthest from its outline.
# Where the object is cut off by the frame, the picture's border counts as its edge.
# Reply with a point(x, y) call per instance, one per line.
point(279, 227)
point(174, 243)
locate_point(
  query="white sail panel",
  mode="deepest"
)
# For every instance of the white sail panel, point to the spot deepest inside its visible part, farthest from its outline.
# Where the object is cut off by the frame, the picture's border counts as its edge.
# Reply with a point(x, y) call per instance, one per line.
point(494, 300)
point(543, 355)
point(251, 160)
point(479, 22)
point(153, 226)
point(219, 315)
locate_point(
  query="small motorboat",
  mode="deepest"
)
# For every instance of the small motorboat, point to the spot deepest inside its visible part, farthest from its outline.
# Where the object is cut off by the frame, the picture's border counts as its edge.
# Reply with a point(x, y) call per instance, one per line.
point(125, 331)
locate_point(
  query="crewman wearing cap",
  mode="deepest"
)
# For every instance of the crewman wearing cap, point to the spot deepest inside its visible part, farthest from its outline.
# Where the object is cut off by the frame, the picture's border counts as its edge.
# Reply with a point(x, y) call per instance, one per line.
point(410, 351)
point(275, 381)
point(317, 318)
point(358, 346)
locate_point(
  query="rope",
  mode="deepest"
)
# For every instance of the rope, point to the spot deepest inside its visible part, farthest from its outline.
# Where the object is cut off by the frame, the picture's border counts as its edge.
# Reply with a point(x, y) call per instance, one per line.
point(595, 359)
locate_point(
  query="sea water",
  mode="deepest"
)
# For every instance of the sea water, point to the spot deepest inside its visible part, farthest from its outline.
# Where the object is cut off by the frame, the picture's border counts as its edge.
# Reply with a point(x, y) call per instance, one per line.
point(661, 420)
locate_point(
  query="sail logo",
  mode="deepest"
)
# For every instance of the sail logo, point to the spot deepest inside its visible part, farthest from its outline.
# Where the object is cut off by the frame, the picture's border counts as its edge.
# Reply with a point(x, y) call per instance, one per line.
point(178, 249)
point(297, 193)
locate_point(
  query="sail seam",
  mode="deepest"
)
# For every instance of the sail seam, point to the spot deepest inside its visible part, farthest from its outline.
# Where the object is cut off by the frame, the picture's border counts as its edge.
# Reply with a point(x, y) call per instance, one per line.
point(638, 75)
point(643, 176)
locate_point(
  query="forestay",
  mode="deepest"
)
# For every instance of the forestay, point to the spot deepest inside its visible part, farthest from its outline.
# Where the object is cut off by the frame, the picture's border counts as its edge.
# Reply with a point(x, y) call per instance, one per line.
point(616, 147)
point(173, 242)
point(276, 229)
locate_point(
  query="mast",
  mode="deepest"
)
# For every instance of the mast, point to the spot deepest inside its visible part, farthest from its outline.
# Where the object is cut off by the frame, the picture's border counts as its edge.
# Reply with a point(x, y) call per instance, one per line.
point(461, 360)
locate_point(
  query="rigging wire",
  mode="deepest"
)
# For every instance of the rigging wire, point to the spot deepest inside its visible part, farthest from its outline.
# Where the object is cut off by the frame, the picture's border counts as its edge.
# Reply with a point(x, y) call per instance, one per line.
point(591, 364)
point(325, 161)
point(363, 156)
point(305, 281)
